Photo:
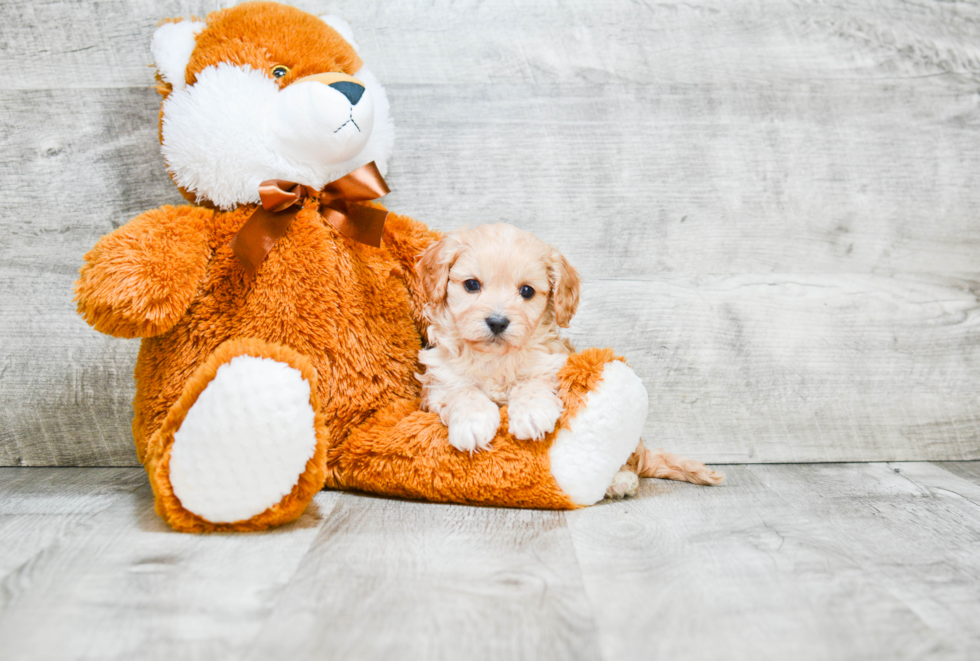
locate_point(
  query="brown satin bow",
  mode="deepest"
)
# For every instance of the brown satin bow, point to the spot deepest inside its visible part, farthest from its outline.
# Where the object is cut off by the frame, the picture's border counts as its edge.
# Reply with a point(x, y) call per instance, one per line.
point(340, 205)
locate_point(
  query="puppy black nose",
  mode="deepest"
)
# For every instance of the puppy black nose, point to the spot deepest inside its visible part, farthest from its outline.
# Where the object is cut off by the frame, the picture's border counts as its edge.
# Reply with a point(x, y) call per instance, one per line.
point(498, 324)
point(352, 91)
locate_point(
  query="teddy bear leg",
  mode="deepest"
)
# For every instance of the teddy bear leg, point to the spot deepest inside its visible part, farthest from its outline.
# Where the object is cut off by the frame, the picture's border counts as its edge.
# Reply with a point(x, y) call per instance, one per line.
point(605, 410)
point(243, 448)
point(405, 452)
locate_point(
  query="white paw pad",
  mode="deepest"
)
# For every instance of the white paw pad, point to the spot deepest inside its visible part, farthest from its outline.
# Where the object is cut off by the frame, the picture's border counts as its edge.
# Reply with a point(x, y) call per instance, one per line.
point(600, 438)
point(245, 441)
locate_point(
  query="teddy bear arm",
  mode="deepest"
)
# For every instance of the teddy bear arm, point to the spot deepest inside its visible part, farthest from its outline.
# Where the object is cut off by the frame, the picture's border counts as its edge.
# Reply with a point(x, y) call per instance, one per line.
point(140, 279)
point(406, 238)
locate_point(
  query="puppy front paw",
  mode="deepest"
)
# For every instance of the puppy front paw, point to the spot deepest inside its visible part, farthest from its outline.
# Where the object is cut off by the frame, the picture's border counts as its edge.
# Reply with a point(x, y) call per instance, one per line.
point(534, 417)
point(474, 428)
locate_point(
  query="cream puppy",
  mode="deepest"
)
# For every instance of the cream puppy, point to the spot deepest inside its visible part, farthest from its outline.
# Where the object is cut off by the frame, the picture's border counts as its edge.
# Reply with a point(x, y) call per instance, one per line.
point(496, 298)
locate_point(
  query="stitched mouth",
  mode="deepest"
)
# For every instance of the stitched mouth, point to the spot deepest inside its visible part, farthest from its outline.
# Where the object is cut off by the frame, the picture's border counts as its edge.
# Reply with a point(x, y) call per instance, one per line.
point(350, 120)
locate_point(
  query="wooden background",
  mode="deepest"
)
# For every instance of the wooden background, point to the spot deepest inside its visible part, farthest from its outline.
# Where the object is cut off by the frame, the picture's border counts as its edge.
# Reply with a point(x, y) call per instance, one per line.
point(774, 204)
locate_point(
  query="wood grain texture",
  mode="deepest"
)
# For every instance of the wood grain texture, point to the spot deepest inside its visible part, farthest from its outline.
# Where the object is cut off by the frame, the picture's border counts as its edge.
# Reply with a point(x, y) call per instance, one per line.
point(107, 45)
point(917, 535)
point(726, 175)
point(804, 562)
point(125, 586)
point(65, 390)
point(968, 470)
point(44, 491)
point(388, 579)
point(638, 180)
point(62, 44)
point(798, 367)
point(822, 562)
point(39, 506)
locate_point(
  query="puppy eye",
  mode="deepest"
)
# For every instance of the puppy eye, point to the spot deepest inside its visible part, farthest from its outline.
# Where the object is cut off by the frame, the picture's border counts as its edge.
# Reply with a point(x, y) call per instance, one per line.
point(472, 286)
point(527, 292)
point(279, 71)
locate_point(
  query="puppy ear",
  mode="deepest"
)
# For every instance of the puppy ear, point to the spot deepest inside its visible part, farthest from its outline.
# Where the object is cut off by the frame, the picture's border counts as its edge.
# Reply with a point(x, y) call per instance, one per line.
point(433, 267)
point(564, 289)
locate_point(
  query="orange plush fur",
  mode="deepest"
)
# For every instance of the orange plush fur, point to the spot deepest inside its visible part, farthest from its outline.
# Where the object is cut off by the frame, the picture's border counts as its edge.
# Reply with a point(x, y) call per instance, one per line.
point(347, 317)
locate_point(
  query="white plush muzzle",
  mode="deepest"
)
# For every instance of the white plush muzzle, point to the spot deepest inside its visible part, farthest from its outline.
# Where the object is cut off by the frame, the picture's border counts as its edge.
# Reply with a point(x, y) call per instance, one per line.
point(235, 128)
point(314, 123)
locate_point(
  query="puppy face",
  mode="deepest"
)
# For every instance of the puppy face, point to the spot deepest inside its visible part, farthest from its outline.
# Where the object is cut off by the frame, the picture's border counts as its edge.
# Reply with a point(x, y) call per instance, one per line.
point(497, 285)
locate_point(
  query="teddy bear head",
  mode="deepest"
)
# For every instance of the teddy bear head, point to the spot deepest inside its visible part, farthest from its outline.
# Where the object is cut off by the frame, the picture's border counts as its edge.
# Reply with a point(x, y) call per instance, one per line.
point(265, 91)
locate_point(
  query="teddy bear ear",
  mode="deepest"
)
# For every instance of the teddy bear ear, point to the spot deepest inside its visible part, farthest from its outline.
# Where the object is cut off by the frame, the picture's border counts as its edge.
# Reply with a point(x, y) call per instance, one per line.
point(342, 28)
point(172, 46)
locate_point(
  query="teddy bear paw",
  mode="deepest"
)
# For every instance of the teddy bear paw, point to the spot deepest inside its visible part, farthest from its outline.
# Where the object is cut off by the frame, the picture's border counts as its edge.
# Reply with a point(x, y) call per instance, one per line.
point(245, 441)
point(587, 453)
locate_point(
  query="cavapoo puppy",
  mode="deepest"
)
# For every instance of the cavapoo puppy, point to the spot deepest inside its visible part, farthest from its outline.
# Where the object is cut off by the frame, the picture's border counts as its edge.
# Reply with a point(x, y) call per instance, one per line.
point(496, 298)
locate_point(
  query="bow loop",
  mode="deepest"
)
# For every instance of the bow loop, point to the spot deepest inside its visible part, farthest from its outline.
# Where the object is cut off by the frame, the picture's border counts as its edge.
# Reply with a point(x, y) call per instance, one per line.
point(368, 185)
point(340, 205)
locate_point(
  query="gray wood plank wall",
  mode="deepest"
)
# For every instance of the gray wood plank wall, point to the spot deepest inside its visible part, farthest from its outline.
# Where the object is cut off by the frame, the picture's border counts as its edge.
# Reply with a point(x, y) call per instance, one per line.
point(774, 204)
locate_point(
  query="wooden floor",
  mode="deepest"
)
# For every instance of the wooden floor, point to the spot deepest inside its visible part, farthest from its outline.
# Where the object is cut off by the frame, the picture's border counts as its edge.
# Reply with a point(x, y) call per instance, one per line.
point(789, 562)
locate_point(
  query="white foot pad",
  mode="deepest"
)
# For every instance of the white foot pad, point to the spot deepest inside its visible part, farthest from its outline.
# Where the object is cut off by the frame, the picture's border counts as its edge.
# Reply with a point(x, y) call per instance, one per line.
point(244, 442)
point(599, 440)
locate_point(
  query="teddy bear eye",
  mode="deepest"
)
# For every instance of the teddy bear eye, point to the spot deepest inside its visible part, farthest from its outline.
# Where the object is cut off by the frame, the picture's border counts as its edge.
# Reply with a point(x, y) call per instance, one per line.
point(527, 292)
point(472, 286)
point(279, 71)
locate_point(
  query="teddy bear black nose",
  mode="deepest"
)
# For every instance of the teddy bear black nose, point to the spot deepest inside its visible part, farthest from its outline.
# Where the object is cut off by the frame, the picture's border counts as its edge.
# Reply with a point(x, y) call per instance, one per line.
point(352, 91)
point(498, 324)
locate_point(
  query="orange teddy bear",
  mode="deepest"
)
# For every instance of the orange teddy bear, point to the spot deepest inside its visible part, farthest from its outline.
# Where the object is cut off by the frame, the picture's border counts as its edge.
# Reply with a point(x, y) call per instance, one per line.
point(281, 314)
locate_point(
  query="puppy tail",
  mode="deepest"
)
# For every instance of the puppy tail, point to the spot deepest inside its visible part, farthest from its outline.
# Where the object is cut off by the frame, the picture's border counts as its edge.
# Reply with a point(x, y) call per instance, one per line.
point(660, 463)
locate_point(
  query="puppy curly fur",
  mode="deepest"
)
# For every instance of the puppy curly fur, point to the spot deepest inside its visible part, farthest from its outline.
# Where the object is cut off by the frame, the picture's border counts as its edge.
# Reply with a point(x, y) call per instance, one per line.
point(475, 362)
point(496, 298)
